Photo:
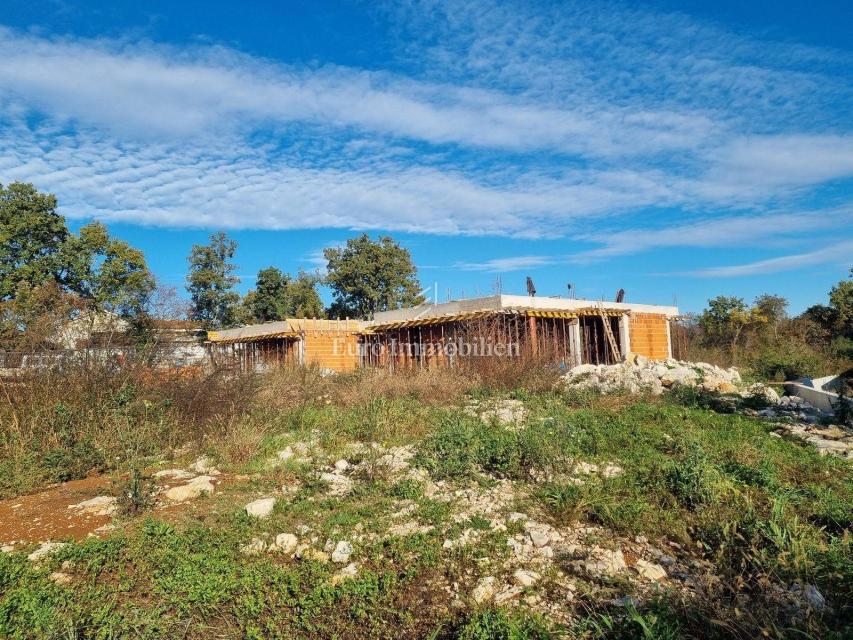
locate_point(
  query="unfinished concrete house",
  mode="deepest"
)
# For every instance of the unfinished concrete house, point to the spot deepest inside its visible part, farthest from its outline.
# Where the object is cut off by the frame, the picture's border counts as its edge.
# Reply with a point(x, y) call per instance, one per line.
point(561, 331)
point(328, 344)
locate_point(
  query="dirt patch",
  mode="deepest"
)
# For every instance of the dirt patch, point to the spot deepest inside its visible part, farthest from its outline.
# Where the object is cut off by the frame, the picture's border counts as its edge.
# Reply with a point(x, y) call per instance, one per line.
point(46, 515)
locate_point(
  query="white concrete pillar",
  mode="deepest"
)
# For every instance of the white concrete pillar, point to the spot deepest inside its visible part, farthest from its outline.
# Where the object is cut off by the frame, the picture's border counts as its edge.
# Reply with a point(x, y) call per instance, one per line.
point(625, 334)
point(668, 339)
point(575, 342)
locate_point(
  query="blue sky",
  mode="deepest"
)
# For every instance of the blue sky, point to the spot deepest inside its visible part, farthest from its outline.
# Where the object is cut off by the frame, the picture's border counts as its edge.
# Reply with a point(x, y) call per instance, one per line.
point(677, 149)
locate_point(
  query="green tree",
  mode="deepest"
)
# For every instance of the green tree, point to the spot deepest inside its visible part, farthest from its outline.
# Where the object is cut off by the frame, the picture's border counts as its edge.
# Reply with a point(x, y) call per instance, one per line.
point(303, 300)
point(49, 275)
point(32, 235)
point(773, 308)
point(726, 318)
point(278, 296)
point(108, 273)
point(211, 282)
point(841, 300)
point(367, 276)
point(270, 299)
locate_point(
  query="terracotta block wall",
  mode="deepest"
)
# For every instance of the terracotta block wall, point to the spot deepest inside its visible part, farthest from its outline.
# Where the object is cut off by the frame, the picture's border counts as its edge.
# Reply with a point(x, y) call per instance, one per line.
point(649, 336)
point(333, 350)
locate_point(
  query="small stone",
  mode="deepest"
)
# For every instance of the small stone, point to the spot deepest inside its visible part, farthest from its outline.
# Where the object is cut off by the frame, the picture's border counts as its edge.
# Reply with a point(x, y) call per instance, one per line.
point(174, 474)
point(341, 465)
point(606, 562)
point(60, 578)
point(342, 552)
point(515, 516)
point(285, 454)
point(285, 543)
point(45, 550)
point(203, 465)
point(254, 547)
point(484, 590)
point(260, 509)
point(611, 471)
point(814, 597)
point(650, 570)
point(508, 594)
point(193, 489)
point(538, 538)
point(98, 506)
point(346, 573)
point(339, 485)
point(525, 577)
point(585, 467)
point(309, 553)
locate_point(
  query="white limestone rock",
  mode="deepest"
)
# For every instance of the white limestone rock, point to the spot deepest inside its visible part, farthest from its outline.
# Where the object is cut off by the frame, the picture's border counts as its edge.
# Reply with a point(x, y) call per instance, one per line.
point(193, 489)
point(343, 551)
point(97, 506)
point(261, 508)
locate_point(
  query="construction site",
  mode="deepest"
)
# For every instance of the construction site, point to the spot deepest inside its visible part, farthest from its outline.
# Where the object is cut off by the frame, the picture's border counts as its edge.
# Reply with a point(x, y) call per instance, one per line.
point(559, 331)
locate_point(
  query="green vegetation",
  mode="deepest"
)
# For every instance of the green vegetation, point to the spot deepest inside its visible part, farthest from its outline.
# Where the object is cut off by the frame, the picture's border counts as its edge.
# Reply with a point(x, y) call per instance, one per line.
point(765, 341)
point(458, 527)
point(211, 282)
point(48, 275)
point(277, 296)
point(758, 513)
point(367, 276)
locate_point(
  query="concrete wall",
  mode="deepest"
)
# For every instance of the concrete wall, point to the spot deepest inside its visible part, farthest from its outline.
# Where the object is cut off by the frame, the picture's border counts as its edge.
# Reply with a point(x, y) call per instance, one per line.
point(494, 303)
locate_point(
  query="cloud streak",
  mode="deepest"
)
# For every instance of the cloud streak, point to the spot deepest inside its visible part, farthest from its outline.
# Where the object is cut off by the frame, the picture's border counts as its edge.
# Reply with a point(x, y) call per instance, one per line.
point(839, 252)
point(498, 119)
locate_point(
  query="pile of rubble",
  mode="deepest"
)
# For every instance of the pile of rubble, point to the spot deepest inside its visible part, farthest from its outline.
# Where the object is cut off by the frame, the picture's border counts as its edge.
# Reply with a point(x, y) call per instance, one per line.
point(641, 375)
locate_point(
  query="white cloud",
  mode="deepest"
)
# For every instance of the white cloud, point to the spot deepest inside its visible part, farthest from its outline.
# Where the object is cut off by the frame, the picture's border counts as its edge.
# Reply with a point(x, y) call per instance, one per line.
point(745, 230)
point(840, 252)
point(503, 265)
point(143, 90)
point(757, 166)
point(499, 119)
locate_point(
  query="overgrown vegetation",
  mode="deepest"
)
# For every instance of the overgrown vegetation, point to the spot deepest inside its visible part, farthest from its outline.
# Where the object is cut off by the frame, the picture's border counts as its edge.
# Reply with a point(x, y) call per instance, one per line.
point(767, 342)
point(762, 513)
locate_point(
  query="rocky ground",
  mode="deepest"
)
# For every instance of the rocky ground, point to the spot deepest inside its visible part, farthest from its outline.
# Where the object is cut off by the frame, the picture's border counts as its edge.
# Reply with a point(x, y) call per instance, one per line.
point(396, 519)
point(794, 415)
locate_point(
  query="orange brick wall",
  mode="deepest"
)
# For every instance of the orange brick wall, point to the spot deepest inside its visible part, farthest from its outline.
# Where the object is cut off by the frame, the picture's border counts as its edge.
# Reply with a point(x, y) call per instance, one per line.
point(333, 350)
point(648, 335)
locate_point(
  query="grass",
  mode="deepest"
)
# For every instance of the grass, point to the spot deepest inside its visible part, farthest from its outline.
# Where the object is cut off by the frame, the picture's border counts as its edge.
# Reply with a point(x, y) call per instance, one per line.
point(760, 512)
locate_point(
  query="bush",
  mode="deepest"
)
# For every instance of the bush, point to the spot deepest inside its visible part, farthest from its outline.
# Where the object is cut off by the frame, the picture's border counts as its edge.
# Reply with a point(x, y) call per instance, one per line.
point(694, 479)
point(786, 359)
point(463, 444)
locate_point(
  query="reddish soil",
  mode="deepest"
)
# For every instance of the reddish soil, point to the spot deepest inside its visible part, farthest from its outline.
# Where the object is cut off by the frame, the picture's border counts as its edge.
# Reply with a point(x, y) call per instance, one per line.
point(46, 516)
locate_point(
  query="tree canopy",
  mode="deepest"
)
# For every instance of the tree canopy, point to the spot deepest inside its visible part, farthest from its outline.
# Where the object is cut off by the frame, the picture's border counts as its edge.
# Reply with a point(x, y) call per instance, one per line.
point(32, 236)
point(47, 270)
point(278, 295)
point(211, 282)
point(367, 276)
point(726, 317)
point(270, 300)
